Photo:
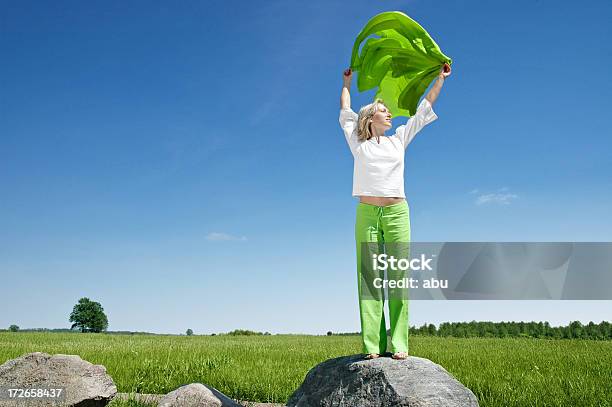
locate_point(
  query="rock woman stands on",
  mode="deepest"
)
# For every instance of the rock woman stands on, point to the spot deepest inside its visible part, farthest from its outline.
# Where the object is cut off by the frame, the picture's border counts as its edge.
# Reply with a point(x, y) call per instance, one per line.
point(382, 211)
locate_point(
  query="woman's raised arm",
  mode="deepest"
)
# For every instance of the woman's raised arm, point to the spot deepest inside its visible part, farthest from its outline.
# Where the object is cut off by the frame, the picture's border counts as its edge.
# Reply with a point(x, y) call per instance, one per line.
point(433, 93)
point(345, 97)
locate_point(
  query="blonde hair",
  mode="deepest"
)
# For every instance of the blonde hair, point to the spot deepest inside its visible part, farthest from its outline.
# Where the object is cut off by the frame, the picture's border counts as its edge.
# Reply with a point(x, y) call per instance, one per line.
point(364, 131)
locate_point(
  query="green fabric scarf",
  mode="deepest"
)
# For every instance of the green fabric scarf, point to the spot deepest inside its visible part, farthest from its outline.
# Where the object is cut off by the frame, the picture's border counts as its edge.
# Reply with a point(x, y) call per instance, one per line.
point(402, 62)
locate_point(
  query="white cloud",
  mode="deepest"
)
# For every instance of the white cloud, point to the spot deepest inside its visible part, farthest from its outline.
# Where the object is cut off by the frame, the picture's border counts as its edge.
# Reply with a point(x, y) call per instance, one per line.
point(502, 199)
point(219, 236)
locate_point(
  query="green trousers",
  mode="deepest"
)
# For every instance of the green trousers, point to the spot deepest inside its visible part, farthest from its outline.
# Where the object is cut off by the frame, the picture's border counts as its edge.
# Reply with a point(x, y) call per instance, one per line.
point(382, 224)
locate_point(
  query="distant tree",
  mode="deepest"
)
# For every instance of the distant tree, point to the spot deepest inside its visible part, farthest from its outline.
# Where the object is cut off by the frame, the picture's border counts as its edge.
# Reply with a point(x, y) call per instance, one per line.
point(592, 331)
point(13, 328)
point(88, 316)
point(329, 333)
point(189, 332)
point(444, 329)
point(575, 329)
point(547, 330)
point(606, 329)
point(238, 332)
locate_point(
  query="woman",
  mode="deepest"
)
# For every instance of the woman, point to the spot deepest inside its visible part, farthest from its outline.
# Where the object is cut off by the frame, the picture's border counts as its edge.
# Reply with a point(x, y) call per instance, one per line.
point(382, 212)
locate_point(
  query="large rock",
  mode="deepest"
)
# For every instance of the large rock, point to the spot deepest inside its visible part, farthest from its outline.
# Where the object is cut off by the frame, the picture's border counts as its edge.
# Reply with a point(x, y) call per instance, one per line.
point(353, 381)
point(83, 384)
point(196, 395)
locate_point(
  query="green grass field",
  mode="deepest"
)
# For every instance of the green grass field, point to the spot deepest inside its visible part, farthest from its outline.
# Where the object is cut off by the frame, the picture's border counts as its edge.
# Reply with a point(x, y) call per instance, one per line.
point(501, 372)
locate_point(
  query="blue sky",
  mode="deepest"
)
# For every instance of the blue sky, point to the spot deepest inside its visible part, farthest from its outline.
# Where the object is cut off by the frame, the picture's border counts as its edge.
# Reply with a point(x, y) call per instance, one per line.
point(183, 164)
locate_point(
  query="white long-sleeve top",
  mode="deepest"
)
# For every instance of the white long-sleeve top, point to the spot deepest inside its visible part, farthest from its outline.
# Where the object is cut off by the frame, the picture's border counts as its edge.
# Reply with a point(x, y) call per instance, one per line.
point(379, 167)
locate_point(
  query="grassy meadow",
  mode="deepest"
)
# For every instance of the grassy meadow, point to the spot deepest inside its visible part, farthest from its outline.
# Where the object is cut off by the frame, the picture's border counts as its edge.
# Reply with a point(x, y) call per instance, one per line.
point(500, 372)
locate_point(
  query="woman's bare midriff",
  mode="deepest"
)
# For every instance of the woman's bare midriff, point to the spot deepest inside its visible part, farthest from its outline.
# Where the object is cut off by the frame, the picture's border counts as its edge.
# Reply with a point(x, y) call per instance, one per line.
point(380, 200)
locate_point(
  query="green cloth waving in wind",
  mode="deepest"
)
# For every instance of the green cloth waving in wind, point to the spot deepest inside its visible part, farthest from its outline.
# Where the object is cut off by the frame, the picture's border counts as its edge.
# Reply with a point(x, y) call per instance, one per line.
point(402, 62)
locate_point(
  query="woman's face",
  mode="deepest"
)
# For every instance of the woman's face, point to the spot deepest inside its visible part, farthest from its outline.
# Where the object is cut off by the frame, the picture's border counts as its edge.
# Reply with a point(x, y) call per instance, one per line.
point(382, 118)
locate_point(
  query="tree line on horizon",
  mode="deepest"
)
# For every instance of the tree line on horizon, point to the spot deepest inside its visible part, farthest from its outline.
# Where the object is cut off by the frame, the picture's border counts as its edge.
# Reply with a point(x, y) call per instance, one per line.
point(510, 329)
point(575, 330)
point(486, 329)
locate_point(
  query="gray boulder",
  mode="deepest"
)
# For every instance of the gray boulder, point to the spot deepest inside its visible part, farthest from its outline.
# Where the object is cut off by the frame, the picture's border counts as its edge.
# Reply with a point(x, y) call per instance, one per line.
point(353, 381)
point(83, 384)
point(196, 395)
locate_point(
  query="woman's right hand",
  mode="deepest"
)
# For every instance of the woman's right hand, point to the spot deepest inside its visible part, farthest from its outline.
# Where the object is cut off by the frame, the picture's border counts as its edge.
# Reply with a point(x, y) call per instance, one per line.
point(347, 77)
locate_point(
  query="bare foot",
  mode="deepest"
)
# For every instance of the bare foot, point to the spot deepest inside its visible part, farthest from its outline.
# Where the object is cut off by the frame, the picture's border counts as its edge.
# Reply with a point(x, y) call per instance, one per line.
point(372, 356)
point(400, 355)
